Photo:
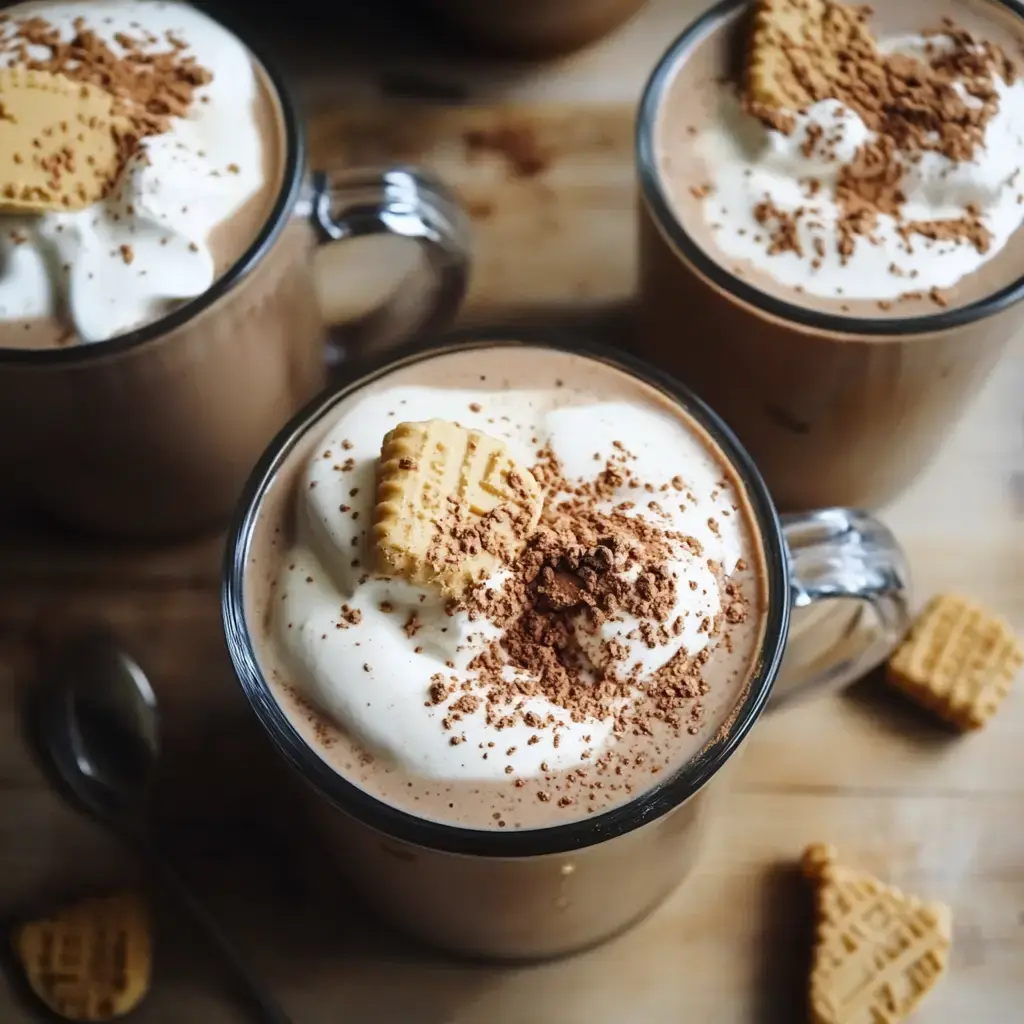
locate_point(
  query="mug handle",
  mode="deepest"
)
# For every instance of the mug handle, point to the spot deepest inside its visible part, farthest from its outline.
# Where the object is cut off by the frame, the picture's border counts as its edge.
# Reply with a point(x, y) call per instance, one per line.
point(405, 202)
point(844, 555)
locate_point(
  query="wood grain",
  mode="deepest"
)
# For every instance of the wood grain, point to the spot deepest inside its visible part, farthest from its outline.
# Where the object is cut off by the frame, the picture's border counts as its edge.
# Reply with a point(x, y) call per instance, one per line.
point(897, 793)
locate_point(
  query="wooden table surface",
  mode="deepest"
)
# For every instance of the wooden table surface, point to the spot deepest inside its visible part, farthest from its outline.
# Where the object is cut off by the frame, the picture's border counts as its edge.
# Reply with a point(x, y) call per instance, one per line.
point(940, 815)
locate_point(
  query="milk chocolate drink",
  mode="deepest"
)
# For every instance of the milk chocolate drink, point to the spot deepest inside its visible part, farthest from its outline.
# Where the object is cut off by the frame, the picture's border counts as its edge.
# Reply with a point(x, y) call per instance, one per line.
point(830, 229)
point(507, 608)
point(535, 28)
point(158, 318)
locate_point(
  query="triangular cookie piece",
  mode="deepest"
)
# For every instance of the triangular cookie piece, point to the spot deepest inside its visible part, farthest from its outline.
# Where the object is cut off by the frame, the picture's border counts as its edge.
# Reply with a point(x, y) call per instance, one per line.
point(878, 951)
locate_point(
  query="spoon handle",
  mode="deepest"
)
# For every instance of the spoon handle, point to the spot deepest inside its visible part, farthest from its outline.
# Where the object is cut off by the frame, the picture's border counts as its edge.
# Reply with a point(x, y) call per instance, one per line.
point(267, 1010)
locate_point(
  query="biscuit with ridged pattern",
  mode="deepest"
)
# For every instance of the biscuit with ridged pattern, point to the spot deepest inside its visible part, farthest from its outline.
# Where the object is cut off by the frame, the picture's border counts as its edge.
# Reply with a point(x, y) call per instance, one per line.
point(795, 48)
point(878, 952)
point(91, 961)
point(452, 505)
point(958, 660)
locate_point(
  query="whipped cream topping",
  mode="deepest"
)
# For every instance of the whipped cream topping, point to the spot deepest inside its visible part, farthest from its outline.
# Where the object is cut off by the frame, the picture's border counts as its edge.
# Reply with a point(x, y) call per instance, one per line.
point(129, 259)
point(748, 163)
point(373, 679)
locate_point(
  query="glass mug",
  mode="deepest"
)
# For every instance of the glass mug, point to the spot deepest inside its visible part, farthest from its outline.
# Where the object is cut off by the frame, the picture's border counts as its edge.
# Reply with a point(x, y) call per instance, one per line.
point(835, 409)
point(154, 432)
point(552, 890)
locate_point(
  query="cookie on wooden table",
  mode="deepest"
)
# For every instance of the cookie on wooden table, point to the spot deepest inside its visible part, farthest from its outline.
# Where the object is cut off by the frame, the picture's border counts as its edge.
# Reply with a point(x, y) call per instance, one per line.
point(958, 660)
point(91, 961)
point(878, 951)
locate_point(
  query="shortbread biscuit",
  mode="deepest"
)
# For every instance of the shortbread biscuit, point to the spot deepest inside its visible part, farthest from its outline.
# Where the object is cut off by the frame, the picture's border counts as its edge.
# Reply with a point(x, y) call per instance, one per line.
point(91, 961)
point(452, 505)
point(958, 660)
point(878, 951)
point(58, 148)
point(797, 48)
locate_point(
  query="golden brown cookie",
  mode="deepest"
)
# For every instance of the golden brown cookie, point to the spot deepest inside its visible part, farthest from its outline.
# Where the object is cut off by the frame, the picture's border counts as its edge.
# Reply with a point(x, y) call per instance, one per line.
point(91, 961)
point(797, 48)
point(878, 953)
point(958, 660)
point(58, 149)
point(452, 505)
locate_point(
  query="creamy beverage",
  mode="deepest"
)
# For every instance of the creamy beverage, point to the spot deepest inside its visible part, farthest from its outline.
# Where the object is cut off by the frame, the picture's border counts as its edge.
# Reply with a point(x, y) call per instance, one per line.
point(607, 636)
point(534, 28)
point(894, 185)
point(199, 167)
point(830, 243)
point(507, 607)
point(159, 314)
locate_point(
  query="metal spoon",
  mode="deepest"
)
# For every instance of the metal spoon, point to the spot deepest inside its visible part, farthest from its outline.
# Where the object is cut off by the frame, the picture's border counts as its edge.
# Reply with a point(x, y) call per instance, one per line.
point(95, 723)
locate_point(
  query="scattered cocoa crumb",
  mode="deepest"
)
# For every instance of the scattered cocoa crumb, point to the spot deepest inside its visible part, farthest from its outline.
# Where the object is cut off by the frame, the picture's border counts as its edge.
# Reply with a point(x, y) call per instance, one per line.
point(942, 103)
point(517, 144)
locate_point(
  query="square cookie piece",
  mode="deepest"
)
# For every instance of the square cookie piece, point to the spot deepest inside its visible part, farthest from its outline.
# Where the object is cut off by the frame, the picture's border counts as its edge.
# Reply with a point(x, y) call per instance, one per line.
point(798, 48)
point(452, 505)
point(958, 660)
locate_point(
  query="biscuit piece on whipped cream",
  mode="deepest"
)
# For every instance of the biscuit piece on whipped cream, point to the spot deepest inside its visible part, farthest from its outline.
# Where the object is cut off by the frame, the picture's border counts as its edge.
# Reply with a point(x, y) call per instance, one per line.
point(797, 47)
point(453, 506)
point(58, 146)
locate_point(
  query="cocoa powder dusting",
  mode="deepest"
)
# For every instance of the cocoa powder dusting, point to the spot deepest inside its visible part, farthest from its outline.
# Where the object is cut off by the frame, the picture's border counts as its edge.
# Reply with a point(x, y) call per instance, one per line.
point(941, 103)
point(151, 80)
point(585, 564)
point(581, 568)
point(462, 534)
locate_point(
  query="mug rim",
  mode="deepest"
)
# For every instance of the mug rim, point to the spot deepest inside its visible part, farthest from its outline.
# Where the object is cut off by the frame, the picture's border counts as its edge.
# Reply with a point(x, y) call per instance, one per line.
point(658, 204)
point(392, 822)
point(292, 174)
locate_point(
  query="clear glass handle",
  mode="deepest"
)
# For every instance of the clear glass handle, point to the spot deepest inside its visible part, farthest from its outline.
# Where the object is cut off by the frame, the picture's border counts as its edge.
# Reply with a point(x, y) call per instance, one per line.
point(407, 203)
point(847, 556)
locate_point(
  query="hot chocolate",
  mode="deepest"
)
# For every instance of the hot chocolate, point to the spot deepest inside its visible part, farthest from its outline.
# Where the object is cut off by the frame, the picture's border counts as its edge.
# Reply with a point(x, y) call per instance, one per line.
point(568, 557)
point(885, 182)
point(535, 28)
point(182, 259)
point(830, 243)
point(583, 665)
point(199, 166)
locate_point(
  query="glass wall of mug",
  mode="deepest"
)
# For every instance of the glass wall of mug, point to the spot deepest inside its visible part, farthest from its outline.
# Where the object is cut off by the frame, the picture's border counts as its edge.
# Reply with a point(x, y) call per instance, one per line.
point(541, 889)
point(153, 432)
point(839, 400)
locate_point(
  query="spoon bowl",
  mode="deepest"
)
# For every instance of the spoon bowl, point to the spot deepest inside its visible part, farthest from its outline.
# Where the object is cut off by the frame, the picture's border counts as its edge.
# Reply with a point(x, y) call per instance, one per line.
point(96, 723)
